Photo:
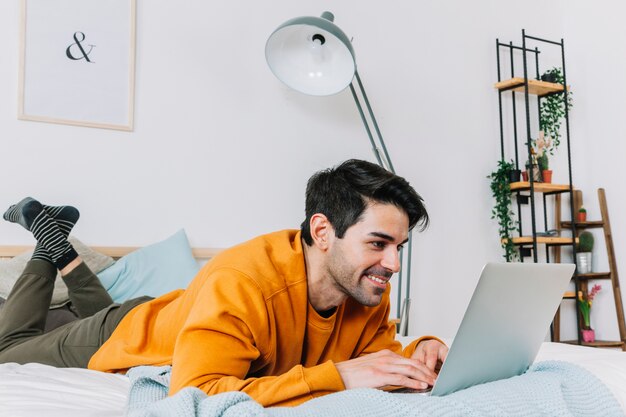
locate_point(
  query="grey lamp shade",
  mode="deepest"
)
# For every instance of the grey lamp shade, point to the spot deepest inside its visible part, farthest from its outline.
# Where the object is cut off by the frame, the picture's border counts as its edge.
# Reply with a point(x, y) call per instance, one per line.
point(311, 55)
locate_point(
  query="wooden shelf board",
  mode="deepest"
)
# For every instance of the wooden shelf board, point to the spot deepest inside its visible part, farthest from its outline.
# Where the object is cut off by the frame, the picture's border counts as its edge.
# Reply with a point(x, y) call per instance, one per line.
point(540, 187)
point(583, 225)
point(535, 87)
point(597, 343)
point(546, 240)
point(569, 295)
point(112, 251)
point(595, 275)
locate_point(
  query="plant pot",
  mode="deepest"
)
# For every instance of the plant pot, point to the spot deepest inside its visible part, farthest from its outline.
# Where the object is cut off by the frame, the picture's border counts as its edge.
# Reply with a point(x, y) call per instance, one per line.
point(514, 175)
point(546, 174)
point(525, 176)
point(589, 335)
point(536, 173)
point(583, 262)
point(581, 216)
point(550, 78)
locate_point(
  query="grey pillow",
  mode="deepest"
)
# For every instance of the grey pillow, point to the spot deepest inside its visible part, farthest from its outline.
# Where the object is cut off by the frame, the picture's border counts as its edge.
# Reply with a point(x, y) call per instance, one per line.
point(11, 269)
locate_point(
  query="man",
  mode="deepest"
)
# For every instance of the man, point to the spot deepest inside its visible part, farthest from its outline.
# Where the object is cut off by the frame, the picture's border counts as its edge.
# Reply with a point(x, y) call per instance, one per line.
point(285, 317)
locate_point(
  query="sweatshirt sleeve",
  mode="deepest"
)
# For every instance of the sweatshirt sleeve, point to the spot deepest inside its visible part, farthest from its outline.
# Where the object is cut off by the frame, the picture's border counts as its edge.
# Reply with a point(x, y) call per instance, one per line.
point(226, 338)
point(385, 332)
point(410, 348)
point(380, 331)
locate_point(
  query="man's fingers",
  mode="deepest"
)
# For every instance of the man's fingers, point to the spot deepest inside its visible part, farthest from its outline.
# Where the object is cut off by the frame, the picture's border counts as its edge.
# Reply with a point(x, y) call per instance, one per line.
point(411, 370)
point(385, 368)
point(444, 354)
point(432, 356)
point(396, 380)
point(407, 373)
point(430, 353)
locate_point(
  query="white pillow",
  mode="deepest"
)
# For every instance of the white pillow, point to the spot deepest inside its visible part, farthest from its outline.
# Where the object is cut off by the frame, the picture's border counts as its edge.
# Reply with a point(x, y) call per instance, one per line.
point(11, 269)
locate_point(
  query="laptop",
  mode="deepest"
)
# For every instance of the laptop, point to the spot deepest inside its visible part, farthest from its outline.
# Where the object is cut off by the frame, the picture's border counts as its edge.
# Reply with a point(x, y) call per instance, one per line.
point(507, 319)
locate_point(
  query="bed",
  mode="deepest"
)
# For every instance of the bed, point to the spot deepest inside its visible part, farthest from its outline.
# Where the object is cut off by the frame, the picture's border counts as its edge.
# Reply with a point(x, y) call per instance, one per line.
point(35, 389)
point(41, 390)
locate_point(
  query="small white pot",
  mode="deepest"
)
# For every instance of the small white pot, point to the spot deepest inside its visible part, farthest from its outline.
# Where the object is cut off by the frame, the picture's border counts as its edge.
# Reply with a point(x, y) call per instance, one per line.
point(583, 262)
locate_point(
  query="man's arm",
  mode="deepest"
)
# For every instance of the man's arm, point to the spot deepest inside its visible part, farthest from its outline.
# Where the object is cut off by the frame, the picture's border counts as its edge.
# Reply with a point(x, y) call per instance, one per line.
point(382, 361)
point(226, 338)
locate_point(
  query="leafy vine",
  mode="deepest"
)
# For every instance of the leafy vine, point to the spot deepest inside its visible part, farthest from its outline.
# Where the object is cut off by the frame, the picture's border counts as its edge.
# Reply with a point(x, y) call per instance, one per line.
point(501, 191)
point(552, 109)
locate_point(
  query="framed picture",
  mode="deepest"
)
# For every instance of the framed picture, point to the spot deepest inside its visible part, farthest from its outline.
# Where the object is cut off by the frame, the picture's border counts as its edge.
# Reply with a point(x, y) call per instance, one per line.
point(77, 62)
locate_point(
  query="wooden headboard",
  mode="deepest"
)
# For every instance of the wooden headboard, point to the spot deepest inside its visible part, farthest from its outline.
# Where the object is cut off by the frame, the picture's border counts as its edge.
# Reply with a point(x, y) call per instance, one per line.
point(115, 252)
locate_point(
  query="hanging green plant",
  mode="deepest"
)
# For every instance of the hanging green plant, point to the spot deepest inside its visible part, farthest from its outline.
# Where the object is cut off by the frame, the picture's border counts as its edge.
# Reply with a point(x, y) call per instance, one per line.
point(501, 191)
point(552, 109)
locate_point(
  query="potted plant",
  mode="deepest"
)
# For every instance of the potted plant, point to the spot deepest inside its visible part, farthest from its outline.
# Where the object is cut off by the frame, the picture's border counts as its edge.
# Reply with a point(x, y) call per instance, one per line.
point(581, 216)
point(544, 167)
point(515, 175)
point(584, 304)
point(501, 191)
point(539, 167)
point(549, 77)
point(525, 176)
point(583, 252)
point(532, 166)
point(539, 150)
point(552, 110)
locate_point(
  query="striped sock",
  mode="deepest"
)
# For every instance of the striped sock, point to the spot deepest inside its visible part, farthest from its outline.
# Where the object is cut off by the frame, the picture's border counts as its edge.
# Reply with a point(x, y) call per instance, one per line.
point(23, 212)
point(65, 217)
point(31, 214)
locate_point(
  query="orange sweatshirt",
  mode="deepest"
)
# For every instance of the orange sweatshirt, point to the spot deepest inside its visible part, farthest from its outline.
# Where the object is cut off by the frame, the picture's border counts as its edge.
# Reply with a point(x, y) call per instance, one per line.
point(244, 324)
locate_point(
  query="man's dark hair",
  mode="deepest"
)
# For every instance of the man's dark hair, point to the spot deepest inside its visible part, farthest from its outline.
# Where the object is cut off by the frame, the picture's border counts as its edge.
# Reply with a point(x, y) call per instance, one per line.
point(342, 194)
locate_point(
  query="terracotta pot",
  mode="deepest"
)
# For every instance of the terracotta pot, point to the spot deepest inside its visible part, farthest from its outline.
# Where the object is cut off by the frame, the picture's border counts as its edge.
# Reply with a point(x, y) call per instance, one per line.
point(546, 174)
point(589, 335)
point(525, 176)
point(581, 216)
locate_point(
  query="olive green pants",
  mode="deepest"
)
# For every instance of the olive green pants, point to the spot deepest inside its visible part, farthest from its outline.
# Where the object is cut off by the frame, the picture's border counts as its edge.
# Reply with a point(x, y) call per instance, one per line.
point(23, 318)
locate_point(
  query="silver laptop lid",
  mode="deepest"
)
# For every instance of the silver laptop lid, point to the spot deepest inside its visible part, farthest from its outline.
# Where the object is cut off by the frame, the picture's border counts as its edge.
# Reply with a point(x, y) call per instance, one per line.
point(506, 321)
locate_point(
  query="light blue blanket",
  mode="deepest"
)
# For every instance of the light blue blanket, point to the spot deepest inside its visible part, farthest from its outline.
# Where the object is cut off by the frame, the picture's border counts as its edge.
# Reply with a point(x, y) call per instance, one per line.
point(549, 389)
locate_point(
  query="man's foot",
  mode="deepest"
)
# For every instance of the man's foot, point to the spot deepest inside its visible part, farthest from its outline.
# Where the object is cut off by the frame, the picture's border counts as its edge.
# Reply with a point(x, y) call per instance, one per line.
point(52, 244)
point(24, 212)
point(64, 216)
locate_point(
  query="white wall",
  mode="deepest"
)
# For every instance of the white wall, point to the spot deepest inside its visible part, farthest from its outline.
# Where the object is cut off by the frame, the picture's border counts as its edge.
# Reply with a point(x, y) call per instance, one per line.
point(224, 150)
point(596, 41)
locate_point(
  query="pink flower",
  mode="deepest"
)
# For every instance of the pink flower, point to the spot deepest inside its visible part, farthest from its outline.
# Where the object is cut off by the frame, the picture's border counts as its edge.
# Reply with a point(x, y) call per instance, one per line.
point(584, 303)
point(594, 290)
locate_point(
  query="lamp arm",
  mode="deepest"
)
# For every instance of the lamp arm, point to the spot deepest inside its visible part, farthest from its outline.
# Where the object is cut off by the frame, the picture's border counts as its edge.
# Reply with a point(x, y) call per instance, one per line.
point(367, 127)
point(404, 324)
point(374, 122)
point(403, 279)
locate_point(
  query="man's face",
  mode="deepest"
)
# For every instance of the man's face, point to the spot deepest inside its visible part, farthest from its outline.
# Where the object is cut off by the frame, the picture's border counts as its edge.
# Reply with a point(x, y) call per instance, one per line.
point(362, 262)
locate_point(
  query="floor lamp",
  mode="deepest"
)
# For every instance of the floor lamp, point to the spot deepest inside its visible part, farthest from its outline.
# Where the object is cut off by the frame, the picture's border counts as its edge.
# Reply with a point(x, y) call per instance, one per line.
point(314, 56)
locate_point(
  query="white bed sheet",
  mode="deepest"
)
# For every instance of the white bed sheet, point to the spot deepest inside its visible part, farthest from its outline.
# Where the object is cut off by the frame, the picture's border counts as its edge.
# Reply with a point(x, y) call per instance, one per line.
point(40, 390)
point(607, 364)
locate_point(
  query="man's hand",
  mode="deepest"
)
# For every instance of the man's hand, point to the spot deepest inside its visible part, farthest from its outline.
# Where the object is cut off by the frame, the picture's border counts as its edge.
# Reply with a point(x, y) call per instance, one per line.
point(430, 353)
point(385, 368)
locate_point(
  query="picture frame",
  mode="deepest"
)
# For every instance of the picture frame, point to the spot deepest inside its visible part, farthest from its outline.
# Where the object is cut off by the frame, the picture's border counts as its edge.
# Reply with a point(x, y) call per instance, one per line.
point(77, 62)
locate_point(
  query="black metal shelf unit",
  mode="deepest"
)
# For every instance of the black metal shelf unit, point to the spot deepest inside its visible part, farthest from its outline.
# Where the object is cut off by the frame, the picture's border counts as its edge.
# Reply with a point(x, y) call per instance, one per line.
point(533, 87)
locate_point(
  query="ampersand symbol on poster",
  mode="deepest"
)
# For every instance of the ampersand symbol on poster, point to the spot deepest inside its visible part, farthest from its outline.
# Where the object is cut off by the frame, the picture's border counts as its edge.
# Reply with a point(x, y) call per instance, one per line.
point(78, 43)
